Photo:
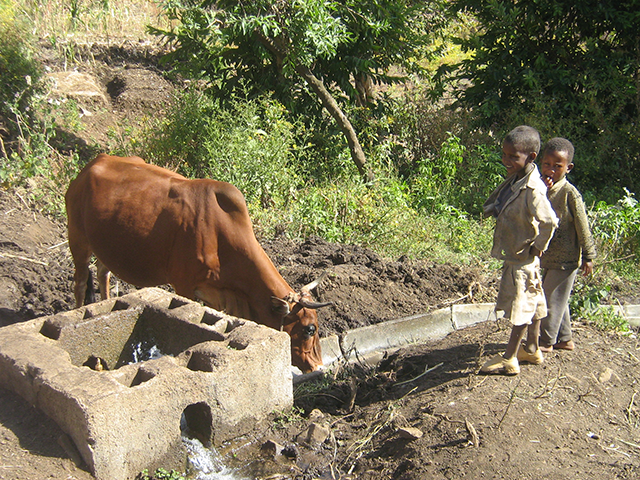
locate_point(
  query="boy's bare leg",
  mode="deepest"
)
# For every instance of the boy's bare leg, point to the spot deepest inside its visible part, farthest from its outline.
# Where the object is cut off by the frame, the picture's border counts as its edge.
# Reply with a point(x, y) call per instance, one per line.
point(533, 336)
point(517, 334)
point(507, 363)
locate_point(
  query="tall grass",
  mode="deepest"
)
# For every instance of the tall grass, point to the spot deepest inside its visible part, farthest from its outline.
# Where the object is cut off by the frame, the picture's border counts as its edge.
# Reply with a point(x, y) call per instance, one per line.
point(85, 21)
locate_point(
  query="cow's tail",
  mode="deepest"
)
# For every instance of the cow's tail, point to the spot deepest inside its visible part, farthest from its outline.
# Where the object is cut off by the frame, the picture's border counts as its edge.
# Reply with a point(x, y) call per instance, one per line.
point(90, 292)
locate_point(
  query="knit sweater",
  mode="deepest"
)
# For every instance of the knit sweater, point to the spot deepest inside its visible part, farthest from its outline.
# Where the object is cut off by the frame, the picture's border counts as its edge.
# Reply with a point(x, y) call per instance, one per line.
point(572, 243)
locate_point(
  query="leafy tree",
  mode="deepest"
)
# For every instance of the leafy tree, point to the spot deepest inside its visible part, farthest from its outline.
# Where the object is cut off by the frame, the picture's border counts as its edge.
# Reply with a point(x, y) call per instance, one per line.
point(570, 68)
point(327, 50)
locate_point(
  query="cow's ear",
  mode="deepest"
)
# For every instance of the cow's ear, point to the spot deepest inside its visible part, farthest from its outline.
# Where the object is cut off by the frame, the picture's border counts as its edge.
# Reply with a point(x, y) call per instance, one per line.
point(280, 306)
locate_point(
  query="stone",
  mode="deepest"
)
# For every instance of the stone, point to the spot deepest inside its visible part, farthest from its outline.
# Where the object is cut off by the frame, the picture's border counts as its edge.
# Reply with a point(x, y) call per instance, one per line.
point(605, 376)
point(410, 433)
point(314, 435)
point(271, 447)
point(316, 415)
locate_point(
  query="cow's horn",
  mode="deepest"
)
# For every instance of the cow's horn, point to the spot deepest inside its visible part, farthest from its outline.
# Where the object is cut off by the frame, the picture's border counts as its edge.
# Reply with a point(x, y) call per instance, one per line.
point(314, 305)
point(315, 283)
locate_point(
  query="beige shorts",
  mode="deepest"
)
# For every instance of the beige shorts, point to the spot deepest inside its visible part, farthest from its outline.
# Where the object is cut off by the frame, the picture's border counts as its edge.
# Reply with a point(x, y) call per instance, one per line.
point(521, 296)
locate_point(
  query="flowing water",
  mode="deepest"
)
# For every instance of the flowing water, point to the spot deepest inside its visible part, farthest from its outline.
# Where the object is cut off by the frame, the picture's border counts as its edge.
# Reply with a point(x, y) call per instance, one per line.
point(207, 463)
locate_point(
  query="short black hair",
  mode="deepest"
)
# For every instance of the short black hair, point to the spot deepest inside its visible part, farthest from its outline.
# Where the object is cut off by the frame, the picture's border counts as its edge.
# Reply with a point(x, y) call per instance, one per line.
point(525, 138)
point(559, 144)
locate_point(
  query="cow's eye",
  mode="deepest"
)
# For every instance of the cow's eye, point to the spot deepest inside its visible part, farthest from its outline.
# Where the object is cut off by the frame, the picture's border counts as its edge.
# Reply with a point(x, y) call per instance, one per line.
point(309, 330)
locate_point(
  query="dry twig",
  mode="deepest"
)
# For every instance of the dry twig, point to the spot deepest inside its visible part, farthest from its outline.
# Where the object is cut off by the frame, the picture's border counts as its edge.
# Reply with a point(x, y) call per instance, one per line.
point(19, 257)
point(426, 370)
point(631, 413)
point(551, 385)
point(512, 397)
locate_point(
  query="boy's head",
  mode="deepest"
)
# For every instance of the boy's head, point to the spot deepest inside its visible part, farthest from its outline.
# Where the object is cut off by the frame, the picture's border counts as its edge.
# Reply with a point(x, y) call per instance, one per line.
point(557, 160)
point(520, 148)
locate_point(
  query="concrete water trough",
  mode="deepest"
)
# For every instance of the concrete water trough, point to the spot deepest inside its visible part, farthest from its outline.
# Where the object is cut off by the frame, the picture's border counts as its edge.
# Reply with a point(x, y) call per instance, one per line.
point(120, 376)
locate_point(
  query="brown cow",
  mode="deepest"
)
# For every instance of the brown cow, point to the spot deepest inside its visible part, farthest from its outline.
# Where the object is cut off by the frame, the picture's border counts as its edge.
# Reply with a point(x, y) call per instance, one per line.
point(151, 226)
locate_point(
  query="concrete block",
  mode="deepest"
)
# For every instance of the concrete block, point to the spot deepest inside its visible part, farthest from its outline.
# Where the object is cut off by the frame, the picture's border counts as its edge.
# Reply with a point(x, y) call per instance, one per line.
point(471, 314)
point(330, 349)
point(632, 314)
point(168, 366)
point(405, 331)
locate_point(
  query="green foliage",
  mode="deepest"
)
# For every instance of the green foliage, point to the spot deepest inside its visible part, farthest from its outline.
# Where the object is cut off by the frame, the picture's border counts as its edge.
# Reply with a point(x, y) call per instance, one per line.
point(248, 144)
point(564, 67)
point(433, 184)
point(160, 474)
point(380, 218)
point(617, 227)
point(19, 70)
point(286, 418)
point(27, 158)
point(587, 302)
point(309, 54)
point(260, 44)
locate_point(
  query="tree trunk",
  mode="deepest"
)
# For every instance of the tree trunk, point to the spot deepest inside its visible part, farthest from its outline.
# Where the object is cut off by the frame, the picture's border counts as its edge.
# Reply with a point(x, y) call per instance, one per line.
point(328, 102)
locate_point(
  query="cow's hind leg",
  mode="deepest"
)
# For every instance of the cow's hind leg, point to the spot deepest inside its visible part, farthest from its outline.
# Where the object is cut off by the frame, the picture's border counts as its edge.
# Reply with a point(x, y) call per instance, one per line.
point(82, 287)
point(104, 275)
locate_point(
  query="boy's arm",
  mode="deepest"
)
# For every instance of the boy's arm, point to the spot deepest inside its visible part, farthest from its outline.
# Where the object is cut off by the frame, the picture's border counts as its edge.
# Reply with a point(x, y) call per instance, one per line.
point(585, 239)
point(542, 211)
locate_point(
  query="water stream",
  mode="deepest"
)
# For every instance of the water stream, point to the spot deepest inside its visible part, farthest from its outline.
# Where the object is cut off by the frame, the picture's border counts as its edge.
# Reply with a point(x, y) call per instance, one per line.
point(207, 463)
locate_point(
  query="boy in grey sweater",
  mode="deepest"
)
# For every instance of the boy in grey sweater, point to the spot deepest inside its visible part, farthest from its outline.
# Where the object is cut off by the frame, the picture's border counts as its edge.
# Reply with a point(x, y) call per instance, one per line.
point(571, 248)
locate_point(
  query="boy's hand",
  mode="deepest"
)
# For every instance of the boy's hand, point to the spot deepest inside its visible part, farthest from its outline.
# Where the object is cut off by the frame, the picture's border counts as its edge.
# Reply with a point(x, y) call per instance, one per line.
point(587, 268)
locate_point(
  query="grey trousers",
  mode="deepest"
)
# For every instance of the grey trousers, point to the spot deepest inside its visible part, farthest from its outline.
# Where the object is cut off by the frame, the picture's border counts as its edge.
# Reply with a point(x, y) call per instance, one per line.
point(556, 326)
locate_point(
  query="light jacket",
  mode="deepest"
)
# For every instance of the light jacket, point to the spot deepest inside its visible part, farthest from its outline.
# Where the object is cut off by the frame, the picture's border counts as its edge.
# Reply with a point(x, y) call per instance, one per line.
point(525, 219)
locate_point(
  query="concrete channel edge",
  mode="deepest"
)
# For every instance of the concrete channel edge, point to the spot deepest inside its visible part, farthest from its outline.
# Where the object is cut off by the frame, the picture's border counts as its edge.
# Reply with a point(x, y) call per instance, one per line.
point(422, 328)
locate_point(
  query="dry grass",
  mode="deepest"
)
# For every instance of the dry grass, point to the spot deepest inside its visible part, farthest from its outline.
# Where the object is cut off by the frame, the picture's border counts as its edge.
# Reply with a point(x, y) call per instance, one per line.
point(88, 21)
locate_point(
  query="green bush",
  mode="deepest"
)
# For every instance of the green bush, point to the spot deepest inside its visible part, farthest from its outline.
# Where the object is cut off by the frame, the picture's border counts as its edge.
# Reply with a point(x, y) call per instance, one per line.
point(248, 144)
point(19, 71)
point(617, 227)
point(588, 303)
point(28, 160)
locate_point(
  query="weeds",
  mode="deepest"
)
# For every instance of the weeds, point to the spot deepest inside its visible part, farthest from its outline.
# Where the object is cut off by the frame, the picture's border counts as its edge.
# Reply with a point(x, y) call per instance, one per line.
point(160, 474)
point(587, 302)
point(288, 417)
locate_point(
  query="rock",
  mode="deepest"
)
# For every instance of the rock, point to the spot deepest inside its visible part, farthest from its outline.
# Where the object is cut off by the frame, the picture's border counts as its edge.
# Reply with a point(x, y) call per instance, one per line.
point(314, 435)
point(272, 447)
point(605, 376)
point(410, 433)
point(83, 88)
point(316, 415)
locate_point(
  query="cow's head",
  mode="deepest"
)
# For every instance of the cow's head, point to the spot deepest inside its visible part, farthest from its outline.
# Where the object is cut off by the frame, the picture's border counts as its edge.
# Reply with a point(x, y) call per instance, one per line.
point(300, 321)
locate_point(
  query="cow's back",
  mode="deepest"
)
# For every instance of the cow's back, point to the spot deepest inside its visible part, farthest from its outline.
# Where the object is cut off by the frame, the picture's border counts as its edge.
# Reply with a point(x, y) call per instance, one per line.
point(135, 217)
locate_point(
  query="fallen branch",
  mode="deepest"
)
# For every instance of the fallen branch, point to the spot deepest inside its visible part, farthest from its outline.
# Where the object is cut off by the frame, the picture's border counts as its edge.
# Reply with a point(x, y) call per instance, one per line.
point(451, 302)
point(58, 245)
point(554, 384)
point(426, 370)
point(472, 434)
point(19, 257)
point(630, 412)
point(617, 450)
point(626, 257)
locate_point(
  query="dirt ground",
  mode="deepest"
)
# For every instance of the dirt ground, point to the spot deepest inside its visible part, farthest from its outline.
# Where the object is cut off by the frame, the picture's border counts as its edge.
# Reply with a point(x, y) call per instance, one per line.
point(422, 413)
